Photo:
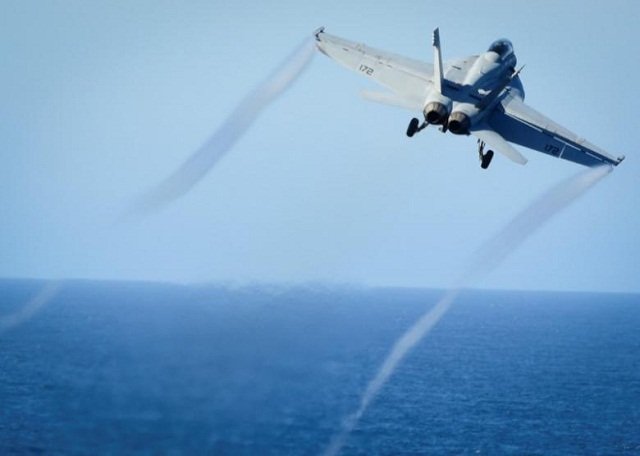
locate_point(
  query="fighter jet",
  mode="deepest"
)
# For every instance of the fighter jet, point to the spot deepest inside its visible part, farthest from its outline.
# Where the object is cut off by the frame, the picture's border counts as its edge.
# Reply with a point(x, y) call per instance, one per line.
point(480, 95)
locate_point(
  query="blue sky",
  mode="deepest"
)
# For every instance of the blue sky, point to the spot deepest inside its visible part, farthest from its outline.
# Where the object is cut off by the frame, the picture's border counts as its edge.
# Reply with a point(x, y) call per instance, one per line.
point(101, 100)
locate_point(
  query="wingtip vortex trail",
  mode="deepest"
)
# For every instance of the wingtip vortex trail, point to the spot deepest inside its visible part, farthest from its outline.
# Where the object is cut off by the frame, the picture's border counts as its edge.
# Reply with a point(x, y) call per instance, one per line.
point(486, 258)
point(204, 159)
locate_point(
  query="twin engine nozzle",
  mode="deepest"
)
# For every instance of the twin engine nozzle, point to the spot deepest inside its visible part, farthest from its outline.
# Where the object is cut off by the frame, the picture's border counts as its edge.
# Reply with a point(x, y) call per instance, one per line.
point(438, 112)
point(459, 123)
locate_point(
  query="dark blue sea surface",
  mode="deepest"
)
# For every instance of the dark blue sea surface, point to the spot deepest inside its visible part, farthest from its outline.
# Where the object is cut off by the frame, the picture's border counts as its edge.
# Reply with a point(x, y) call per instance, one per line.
point(142, 368)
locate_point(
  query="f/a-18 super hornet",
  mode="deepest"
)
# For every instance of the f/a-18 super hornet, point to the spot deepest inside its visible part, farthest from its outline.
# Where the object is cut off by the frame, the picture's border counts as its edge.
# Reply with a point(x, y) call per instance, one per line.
point(481, 95)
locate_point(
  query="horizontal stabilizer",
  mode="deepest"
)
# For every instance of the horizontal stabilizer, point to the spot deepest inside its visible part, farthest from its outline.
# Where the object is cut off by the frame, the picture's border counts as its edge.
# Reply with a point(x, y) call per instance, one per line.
point(390, 99)
point(499, 144)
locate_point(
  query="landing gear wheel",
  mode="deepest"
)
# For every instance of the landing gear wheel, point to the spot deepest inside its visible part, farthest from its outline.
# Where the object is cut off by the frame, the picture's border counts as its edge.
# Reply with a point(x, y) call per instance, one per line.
point(413, 127)
point(486, 159)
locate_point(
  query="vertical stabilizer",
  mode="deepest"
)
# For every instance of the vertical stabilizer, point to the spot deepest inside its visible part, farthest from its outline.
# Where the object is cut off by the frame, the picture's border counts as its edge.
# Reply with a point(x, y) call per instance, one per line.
point(437, 62)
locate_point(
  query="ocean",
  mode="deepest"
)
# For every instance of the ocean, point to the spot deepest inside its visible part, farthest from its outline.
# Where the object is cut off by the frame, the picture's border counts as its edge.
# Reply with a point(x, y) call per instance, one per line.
point(147, 368)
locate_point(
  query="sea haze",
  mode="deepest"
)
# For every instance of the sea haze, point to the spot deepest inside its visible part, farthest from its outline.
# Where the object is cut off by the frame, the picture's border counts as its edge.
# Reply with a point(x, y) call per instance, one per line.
point(149, 368)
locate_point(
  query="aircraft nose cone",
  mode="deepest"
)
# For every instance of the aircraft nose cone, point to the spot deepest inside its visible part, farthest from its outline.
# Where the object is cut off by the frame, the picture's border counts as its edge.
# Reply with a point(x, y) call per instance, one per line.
point(459, 123)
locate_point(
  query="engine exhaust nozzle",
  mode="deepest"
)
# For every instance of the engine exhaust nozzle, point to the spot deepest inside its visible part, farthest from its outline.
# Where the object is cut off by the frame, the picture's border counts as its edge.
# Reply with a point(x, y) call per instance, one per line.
point(435, 113)
point(459, 123)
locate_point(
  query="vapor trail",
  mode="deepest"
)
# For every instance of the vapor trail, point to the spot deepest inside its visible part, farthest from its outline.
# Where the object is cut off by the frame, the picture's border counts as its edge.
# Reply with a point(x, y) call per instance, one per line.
point(31, 308)
point(215, 148)
point(494, 251)
point(490, 254)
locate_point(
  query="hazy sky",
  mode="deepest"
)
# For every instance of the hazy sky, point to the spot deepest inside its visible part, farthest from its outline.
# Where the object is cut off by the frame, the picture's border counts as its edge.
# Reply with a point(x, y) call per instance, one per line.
point(101, 100)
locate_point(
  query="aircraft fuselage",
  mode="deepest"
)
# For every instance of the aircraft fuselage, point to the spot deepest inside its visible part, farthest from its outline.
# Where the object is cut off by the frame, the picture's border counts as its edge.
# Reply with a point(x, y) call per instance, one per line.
point(476, 84)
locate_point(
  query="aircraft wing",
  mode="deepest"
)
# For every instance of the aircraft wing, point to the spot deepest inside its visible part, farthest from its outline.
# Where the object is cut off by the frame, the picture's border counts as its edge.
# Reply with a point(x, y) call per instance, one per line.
point(520, 124)
point(409, 79)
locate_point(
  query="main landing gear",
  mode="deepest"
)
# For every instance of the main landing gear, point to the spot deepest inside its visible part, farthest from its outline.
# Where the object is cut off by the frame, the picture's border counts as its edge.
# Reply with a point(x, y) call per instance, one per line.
point(485, 158)
point(415, 126)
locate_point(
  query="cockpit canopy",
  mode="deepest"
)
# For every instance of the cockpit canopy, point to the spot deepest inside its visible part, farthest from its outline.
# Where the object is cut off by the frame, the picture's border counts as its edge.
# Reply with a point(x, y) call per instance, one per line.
point(502, 47)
